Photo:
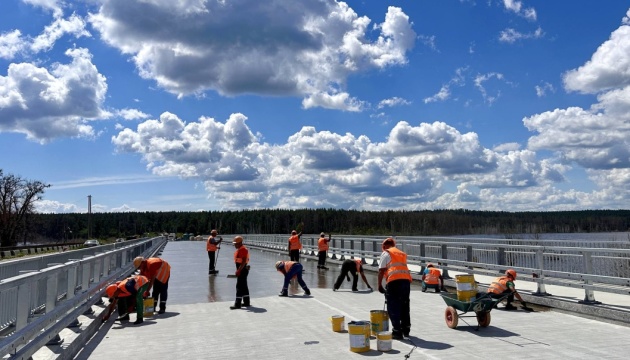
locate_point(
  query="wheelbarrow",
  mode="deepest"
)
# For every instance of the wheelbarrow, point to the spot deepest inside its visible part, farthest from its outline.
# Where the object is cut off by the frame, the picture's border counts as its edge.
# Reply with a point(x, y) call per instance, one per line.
point(481, 306)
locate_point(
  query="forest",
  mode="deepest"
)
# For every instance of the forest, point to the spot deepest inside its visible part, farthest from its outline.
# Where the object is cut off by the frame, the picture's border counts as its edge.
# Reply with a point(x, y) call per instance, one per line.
point(74, 226)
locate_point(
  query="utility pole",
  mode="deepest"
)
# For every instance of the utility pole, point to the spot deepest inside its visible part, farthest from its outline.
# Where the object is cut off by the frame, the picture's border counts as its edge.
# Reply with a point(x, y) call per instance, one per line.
point(89, 216)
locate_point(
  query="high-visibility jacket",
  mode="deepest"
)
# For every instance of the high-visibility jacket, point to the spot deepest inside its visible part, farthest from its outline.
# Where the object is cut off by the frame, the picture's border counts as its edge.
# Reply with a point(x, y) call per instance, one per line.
point(210, 246)
point(359, 265)
point(157, 269)
point(397, 267)
point(241, 254)
point(499, 285)
point(432, 277)
point(288, 265)
point(139, 279)
point(294, 243)
point(322, 244)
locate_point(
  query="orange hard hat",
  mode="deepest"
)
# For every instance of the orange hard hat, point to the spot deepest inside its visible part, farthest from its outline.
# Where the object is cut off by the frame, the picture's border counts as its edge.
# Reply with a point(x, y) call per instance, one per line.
point(430, 265)
point(111, 289)
point(137, 261)
point(510, 272)
point(293, 232)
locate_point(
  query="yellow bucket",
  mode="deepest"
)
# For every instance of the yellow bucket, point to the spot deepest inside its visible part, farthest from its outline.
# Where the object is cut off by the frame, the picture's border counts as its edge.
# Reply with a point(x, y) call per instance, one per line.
point(384, 341)
point(359, 336)
point(337, 323)
point(379, 320)
point(149, 307)
point(466, 287)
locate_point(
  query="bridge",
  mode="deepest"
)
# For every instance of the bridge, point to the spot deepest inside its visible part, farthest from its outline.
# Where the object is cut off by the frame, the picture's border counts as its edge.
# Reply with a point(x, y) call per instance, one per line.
point(198, 323)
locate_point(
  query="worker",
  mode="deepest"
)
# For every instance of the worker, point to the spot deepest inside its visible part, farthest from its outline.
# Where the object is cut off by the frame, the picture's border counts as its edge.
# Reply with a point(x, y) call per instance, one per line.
point(125, 292)
point(504, 285)
point(393, 267)
point(241, 259)
point(355, 267)
point(212, 245)
point(295, 245)
point(158, 271)
point(432, 279)
point(322, 247)
point(291, 269)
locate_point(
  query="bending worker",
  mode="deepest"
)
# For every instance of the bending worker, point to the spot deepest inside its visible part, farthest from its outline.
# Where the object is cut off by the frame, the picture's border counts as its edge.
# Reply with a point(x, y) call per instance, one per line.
point(432, 279)
point(241, 259)
point(158, 271)
point(291, 269)
point(393, 267)
point(124, 292)
point(295, 246)
point(504, 285)
point(212, 245)
point(355, 267)
point(322, 247)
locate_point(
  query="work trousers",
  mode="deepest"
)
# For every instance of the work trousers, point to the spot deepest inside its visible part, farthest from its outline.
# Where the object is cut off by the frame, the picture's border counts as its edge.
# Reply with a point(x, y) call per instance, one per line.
point(294, 255)
point(242, 290)
point(348, 266)
point(160, 292)
point(509, 298)
point(397, 295)
point(126, 302)
point(321, 258)
point(211, 257)
point(296, 270)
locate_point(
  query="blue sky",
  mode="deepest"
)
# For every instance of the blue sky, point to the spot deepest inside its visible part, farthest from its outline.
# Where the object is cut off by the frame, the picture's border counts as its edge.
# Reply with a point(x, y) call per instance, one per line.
point(189, 105)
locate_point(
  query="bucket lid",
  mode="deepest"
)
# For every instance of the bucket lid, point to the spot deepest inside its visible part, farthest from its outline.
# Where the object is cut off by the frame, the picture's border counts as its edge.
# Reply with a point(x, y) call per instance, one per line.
point(359, 322)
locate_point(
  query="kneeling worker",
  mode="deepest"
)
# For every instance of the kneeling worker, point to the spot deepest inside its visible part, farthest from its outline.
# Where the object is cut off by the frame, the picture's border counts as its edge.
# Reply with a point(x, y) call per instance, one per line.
point(124, 292)
point(504, 285)
point(291, 269)
point(355, 267)
point(432, 279)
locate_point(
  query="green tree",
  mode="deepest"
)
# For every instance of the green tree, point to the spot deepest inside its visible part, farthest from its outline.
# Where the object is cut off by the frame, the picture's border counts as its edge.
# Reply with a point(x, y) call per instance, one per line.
point(17, 199)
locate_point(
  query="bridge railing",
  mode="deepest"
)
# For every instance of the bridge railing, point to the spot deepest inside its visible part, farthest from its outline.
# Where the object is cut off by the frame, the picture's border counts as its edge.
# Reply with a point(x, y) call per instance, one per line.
point(37, 304)
point(589, 265)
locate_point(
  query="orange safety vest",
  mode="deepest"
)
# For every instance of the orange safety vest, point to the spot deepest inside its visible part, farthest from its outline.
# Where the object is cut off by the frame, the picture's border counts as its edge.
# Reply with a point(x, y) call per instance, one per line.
point(397, 267)
point(499, 285)
point(210, 246)
point(239, 259)
point(295, 243)
point(432, 277)
point(322, 244)
point(288, 265)
point(140, 280)
point(157, 269)
point(358, 264)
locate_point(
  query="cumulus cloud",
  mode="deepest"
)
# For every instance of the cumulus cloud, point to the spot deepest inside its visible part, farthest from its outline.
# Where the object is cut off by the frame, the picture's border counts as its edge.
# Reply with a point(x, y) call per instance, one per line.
point(483, 78)
point(266, 48)
point(517, 7)
point(74, 25)
point(391, 102)
point(54, 207)
point(11, 44)
point(56, 102)
point(541, 90)
point(54, 6)
point(445, 91)
point(510, 35)
point(132, 114)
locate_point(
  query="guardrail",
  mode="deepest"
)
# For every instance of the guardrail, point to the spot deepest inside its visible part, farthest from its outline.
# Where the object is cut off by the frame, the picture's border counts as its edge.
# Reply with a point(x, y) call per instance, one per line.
point(589, 265)
point(37, 304)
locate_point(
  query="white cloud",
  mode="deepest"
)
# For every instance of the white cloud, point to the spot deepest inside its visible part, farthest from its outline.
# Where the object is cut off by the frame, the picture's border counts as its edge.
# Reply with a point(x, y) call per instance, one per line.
point(516, 7)
point(54, 207)
point(132, 114)
point(483, 78)
point(55, 6)
point(45, 103)
point(510, 35)
point(507, 147)
point(441, 95)
point(300, 50)
point(428, 40)
point(391, 102)
point(541, 90)
point(74, 25)
point(11, 43)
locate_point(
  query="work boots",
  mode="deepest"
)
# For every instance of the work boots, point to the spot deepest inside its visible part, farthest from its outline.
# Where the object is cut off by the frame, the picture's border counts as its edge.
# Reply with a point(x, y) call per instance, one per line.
point(162, 307)
point(123, 318)
point(284, 292)
point(237, 304)
point(397, 335)
point(307, 292)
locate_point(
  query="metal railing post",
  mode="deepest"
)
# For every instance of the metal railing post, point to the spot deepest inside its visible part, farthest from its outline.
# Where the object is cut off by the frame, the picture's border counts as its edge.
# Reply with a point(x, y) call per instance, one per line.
point(540, 277)
point(363, 252)
point(469, 255)
point(351, 248)
point(343, 247)
point(589, 296)
point(445, 257)
point(374, 249)
point(333, 247)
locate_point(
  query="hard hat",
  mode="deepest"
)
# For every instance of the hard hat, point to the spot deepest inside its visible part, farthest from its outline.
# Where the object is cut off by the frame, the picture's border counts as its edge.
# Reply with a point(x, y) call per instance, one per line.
point(430, 265)
point(322, 234)
point(110, 290)
point(213, 232)
point(293, 232)
point(279, 264)
point(237, 240)
point(510, 272)
point(137, 261)
point(389, 241)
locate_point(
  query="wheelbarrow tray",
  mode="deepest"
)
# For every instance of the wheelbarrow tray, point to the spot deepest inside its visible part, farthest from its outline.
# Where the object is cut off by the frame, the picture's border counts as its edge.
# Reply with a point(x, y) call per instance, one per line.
point(481, 304)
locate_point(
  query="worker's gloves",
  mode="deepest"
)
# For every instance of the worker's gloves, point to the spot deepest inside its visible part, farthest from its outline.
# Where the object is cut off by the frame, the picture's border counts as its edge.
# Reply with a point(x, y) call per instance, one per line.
point(381, 289)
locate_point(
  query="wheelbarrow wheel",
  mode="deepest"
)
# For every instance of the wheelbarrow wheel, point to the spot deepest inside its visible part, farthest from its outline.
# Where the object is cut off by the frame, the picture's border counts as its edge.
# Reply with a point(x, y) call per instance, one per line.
point(451, 317)
point(483, 318)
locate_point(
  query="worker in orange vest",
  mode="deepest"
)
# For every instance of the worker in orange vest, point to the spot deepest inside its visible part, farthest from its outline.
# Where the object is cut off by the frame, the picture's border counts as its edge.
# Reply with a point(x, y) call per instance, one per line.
point(241, 259)
point(158, 271)
point(432, 279)
point(354, 267)
point(295, 245)
point(124, 292)
point(291, 269)
point(393, 267)
point(212, 246)
point(322, 247)
point(504, 285)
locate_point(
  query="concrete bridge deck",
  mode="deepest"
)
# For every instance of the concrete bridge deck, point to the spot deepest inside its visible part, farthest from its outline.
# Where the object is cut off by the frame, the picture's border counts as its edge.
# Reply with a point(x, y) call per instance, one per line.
point(198, 323)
